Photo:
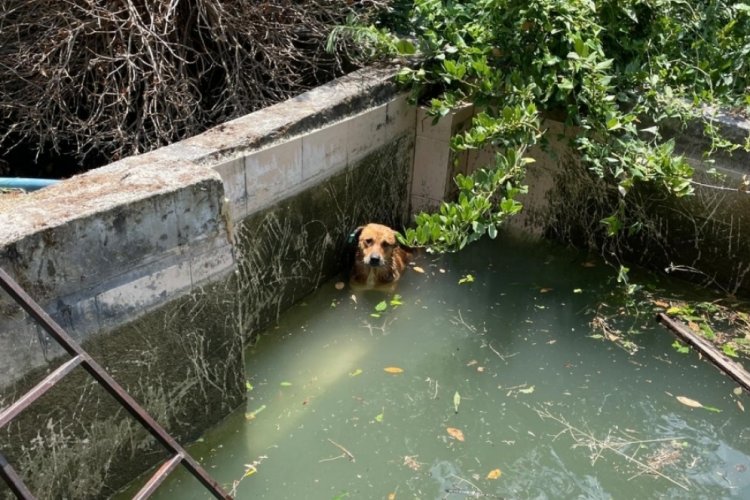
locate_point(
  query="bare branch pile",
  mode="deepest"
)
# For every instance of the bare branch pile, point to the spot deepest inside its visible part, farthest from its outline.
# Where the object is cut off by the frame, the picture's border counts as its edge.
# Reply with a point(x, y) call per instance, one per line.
point(116, 77)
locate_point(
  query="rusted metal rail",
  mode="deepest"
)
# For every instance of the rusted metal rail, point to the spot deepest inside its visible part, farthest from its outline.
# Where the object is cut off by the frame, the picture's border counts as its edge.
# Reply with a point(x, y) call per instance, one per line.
point(707, 349)
point(80, 357)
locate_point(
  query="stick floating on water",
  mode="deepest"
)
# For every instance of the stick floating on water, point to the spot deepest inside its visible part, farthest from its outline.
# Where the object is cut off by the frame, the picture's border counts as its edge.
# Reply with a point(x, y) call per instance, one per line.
point(734, 370)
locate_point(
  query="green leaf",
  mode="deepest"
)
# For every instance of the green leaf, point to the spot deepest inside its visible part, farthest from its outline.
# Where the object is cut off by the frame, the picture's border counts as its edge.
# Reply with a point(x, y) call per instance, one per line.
point(285, 384)
point(456, 401)
point(466, 279)
point(381, 306)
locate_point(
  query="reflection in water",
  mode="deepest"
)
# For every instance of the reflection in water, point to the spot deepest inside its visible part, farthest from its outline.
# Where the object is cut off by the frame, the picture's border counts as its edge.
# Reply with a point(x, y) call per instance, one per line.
point(556, 413)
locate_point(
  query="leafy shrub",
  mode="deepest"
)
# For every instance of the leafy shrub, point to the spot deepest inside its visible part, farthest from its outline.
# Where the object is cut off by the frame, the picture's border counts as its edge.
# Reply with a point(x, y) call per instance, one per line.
point(617, 70)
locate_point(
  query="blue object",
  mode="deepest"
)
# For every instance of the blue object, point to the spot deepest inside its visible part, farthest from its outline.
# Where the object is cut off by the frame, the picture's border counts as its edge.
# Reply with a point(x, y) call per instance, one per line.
point(25, 183)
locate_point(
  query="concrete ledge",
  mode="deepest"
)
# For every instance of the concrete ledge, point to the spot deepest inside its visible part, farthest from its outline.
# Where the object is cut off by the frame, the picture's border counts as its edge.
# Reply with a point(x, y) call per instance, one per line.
point(164, 263)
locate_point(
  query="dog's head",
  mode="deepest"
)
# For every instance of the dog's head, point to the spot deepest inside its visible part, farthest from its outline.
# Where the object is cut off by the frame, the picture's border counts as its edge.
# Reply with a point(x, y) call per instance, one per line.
point(375, 244)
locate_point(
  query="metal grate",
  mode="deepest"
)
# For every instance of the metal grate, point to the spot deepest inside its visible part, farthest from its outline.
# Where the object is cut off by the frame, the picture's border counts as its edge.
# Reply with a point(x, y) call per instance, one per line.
point(80, 357)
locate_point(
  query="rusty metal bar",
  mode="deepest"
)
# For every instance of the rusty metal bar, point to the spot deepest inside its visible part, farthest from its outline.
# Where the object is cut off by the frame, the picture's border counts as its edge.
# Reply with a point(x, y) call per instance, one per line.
point(159, 476)
point(14, 481)
point(49, 381)
point(103, 378)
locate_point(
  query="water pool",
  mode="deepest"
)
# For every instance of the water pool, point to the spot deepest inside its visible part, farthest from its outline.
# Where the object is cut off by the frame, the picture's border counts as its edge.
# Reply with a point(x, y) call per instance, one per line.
point(491, 388)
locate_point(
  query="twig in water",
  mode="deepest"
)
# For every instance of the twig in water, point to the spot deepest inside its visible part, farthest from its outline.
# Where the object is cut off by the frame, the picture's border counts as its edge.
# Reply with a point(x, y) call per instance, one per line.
point(489, 344)
point(478, 491)
point(347, 453)
point(583, 438)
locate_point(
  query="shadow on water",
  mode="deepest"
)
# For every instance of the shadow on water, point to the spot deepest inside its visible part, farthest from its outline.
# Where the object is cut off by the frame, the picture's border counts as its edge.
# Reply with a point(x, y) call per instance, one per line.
point(503, 394)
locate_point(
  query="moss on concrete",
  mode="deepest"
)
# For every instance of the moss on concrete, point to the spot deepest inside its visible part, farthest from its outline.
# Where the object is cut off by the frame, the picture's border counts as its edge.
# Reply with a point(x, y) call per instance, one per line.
point(182, 362)
point(286, 251)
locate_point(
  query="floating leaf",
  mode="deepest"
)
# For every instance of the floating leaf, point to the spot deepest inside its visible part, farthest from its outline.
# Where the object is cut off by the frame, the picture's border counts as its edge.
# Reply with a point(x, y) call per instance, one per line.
point(737, 391)
point(381, 306)
point(396, 301)
point(741, 406)
point(392, 496)
point(250, 471)
point(356, 372)
point(455, 433)
point(379, 417)
point(527, 390)
point(577, 290)
point(494, 474)
point(689, 402)
point(456, 401)
point(545, 290)
point(251, 415)
point(339, 285)
point(418, 269)
point(375, 315)
point(466, 279)
point(249, 386)
point(393, 369)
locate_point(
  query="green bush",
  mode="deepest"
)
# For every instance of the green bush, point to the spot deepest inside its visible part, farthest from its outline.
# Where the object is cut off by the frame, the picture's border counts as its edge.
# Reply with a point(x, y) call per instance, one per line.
point(616, 69)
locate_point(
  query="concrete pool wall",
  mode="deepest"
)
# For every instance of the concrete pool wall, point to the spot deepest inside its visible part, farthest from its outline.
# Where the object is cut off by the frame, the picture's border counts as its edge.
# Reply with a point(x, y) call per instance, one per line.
point(164, 264)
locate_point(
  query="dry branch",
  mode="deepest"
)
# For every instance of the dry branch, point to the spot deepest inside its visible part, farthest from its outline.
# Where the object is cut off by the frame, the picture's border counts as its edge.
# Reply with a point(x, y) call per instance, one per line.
point(117, 77)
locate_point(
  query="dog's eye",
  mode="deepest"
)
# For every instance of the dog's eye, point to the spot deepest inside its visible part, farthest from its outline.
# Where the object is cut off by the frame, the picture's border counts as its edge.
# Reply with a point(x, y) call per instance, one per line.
point(368, 241)
point(385, 244)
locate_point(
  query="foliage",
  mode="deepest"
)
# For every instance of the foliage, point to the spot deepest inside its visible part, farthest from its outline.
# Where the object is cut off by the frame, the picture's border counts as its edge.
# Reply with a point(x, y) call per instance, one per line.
point(102, 80)
point(617, 70)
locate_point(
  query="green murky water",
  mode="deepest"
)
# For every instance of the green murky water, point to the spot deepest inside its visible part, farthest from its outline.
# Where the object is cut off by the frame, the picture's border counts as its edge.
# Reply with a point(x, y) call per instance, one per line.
point(556, 413)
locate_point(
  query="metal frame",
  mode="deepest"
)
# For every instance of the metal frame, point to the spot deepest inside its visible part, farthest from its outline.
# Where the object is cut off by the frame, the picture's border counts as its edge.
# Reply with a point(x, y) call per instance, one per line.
point(81, 357)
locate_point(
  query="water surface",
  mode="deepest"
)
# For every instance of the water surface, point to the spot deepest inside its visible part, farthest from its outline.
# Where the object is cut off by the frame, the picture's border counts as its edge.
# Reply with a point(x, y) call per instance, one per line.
point(507, 363)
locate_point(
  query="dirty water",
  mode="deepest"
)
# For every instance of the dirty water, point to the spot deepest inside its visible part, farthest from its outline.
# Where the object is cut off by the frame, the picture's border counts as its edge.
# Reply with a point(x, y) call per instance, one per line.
point(483, 378)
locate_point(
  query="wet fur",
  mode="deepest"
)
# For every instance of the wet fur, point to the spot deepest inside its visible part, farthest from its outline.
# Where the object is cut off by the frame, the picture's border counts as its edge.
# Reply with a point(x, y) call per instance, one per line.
point(379, 260)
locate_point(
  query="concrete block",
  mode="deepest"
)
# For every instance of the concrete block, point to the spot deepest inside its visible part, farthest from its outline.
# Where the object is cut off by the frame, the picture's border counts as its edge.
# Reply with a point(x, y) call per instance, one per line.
point(134, 296)
point(232, 174)
point(446, 126)
point(401, 117)
point(271, 171)
point(324, 150)
point(365, 133)
point(211, 264)
point(431, 168)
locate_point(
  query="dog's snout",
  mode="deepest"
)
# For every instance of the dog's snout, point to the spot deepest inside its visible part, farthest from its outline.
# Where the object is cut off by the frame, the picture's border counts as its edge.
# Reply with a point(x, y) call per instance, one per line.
point(375, 260)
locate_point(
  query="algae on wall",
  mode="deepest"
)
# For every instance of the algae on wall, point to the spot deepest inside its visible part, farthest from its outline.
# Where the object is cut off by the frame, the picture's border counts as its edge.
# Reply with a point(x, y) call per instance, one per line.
point(287, 250)
point(181, 362)
point(703, 237)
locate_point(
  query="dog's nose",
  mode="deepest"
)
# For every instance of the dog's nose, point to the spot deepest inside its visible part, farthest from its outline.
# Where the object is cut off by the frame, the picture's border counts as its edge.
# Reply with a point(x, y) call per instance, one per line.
point(375, 260)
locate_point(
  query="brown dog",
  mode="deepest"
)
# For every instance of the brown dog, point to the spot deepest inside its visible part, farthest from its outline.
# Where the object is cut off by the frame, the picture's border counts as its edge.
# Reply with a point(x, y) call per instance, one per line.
point(379, 260)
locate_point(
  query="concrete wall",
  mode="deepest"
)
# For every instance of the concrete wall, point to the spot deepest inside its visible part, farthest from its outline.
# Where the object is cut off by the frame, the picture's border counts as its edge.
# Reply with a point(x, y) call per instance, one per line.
point(164, 264)
point(703, 237)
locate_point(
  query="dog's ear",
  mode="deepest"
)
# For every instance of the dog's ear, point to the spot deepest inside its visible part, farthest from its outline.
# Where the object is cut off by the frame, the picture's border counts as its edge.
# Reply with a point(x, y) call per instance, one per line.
point(354, 236)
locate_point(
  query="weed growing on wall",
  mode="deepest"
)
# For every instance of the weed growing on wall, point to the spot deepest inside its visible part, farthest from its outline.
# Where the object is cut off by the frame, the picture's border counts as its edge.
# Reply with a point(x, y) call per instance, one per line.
point(617, 71)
